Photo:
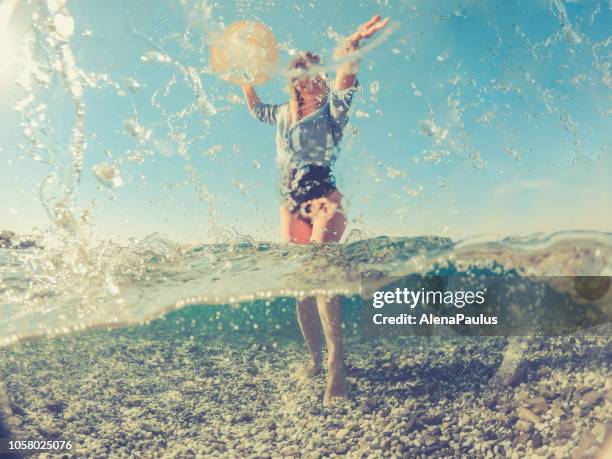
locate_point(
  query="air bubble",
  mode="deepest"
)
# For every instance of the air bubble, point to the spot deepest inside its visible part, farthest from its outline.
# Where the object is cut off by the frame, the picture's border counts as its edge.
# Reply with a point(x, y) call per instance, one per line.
point(374, 86)
point(132, 84)
point(108, 175)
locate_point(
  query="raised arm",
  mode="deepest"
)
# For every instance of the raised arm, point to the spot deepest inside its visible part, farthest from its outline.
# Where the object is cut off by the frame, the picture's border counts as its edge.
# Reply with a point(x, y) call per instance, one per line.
point(265, 113)
point(251, 97)
point(347, 72)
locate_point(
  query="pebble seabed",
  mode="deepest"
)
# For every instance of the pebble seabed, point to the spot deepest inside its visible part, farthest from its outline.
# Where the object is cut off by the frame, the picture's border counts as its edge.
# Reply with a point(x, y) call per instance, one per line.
point(154, 392)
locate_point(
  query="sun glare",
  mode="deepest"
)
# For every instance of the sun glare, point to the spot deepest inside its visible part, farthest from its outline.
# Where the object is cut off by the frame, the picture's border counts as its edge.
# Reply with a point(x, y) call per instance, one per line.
point(7, 39)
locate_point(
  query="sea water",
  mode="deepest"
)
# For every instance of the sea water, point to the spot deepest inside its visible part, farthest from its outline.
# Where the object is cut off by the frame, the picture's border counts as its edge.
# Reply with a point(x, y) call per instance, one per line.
point(190, 351)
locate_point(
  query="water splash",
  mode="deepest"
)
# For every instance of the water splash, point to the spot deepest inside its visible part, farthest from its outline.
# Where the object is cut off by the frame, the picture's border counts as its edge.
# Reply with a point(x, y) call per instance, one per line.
point(148, 278)
point(52, 27)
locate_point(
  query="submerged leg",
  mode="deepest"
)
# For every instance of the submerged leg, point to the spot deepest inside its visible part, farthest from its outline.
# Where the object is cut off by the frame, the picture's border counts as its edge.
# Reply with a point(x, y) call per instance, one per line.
point(330, 313)
point(308, 318)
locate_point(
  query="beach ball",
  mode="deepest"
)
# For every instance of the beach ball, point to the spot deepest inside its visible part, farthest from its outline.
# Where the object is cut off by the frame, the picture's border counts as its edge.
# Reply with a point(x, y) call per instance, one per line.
point(244, 53)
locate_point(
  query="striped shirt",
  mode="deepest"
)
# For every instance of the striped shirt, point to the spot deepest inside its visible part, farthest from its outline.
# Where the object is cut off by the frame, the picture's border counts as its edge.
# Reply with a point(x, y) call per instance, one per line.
point(314, 139)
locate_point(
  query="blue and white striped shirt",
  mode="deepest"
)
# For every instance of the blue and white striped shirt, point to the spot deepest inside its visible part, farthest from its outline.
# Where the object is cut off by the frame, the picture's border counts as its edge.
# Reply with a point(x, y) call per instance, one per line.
point(314, 139)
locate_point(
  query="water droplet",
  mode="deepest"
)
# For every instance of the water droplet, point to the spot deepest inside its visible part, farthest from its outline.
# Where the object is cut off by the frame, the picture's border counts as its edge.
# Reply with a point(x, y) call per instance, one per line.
point(132, 84)
point(133, 128)
point(374, 87)
point(442, 57)
point(108, 175)
point(212, 151)
point(234, 98)
point(431, 129)
point(64, 25)
point(393, 173)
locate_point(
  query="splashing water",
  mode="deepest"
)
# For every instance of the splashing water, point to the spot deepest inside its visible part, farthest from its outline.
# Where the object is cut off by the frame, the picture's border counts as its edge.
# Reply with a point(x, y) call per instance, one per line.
point(126, 285)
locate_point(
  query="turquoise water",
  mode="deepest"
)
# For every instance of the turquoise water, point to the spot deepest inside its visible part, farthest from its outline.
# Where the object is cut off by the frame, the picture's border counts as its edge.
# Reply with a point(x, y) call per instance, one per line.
point(212, 379)
point(47, 291)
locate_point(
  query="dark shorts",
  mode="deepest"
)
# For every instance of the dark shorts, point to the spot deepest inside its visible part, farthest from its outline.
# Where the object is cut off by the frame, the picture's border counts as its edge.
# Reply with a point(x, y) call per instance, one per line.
point(308, 183)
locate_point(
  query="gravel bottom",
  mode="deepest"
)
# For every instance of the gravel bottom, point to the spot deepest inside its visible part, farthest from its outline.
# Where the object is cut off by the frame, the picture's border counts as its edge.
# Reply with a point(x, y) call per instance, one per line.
point(154, 392)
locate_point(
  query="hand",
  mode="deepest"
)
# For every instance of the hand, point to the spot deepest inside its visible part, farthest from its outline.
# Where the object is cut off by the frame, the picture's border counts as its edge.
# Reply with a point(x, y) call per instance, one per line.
point(366, 30)
point(321, 209)
point(346, 75)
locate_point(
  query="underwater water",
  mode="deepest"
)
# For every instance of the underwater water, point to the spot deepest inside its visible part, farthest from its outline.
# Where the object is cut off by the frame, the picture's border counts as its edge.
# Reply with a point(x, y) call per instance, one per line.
point(210, 372)
point(127, 285)
point(147, 308)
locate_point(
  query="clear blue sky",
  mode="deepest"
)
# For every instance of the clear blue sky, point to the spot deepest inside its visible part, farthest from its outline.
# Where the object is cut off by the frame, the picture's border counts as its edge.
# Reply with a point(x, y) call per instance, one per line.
point(521, 89)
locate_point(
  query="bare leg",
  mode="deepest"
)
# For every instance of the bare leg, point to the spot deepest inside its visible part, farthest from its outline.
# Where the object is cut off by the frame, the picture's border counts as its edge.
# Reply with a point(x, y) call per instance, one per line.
point(308, 318)
point(297, 231)
point(330, 313)
point(293, 229)
point(328, 224)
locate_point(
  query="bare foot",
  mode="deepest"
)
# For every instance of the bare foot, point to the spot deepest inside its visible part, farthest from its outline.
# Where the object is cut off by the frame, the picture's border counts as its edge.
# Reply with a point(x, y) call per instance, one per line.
point(337, 386)
point(307, 372)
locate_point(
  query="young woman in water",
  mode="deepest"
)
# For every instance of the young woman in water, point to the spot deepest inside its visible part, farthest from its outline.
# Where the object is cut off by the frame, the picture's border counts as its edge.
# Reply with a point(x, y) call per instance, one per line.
point(308, 132)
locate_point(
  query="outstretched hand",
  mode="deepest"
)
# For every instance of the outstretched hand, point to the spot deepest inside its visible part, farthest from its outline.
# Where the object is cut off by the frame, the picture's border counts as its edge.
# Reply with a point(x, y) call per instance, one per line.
point(346, 76)
point(367, 30)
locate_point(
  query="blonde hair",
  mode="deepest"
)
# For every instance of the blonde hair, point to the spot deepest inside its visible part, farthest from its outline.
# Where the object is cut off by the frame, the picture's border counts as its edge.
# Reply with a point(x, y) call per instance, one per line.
point(302, 61)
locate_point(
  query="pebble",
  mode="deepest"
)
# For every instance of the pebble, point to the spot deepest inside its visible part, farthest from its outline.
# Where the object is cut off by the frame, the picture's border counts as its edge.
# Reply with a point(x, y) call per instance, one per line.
point(538, 405)
point(55, 406)
point(340, 434)
point(528, 415)
point(17, 409)
point(490, 402)
point(549, 395)
point(600, 429)
point(148, 427)
point(341, 449)
point(524, 426)
point(518, 376)
point(565, 429)
point(429, 440)
point(521, 439)
point(536, 440)
point(434, 420)
point(212, 407)
point(411, 425)
point(592, 398)
point(586, 446)
point(557, 411)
